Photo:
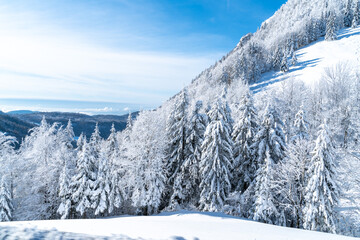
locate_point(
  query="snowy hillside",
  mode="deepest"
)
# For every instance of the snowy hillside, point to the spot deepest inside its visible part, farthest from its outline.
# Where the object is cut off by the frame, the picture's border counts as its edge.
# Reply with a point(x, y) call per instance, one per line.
point(175, 226)
point(313, 59)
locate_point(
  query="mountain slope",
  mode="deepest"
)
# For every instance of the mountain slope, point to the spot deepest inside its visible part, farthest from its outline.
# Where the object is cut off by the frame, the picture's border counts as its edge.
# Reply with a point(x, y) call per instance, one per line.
point(178, 225)
point(315, 58)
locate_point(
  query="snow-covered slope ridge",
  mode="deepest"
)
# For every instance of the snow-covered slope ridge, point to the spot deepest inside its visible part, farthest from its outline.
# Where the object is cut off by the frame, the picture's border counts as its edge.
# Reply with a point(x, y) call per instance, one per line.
point(179, 225)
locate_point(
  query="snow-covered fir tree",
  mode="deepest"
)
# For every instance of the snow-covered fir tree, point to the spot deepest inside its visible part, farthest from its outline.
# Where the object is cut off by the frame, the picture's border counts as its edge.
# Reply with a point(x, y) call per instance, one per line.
point(101, 189)
point(331, 28)
point(348, 16)
point(6, 205)
point(95, 144)
point(116, 172)
point(270, 150)
point(277, 58)
point(356, 15)
point(216, 160)
point(186, 184)
point(284, 67)
point(176, 131)
point(293, 56)
point(82, 184)
point(321, 191)
point(80, 142)
point(65, 209)
point(8, 158)
point(301, 126)
point(243, 136)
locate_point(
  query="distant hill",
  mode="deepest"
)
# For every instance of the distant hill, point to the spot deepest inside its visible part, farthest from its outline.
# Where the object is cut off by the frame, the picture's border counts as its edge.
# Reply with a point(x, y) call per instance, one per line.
point(18, 123)
point(14, 126)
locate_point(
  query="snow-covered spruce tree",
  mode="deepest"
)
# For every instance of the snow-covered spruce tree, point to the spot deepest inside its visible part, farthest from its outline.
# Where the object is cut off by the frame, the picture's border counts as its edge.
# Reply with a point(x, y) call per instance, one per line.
point(186, 184)
point(129, 122)
point(293, 56)
point(356, 15)
point(176, 131)
point(6, 206)
point(101, 189)
point(277, 57)
point(331, 28)
point(348, 16)
point(8, 158)
point(216, 160)
point(116, 193)
point(284, 67)
point(321, 191)
point(80, 143)
point(301, 126)
point(82, 183)
point(66, 208)
point(270, 150)
point(146, 171)
point(243, 136)
point(95, 144)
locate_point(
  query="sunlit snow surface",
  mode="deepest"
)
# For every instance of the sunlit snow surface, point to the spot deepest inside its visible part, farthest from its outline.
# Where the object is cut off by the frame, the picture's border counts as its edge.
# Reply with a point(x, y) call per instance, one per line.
point(178, 225)
point(314, 58)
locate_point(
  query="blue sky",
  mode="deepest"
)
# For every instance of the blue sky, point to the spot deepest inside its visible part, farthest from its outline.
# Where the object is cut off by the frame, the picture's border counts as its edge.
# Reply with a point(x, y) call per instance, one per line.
point(117, 50)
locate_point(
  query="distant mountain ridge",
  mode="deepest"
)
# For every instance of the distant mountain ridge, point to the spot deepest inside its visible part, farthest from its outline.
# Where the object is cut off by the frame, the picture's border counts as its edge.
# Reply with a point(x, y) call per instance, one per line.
point(18, 123)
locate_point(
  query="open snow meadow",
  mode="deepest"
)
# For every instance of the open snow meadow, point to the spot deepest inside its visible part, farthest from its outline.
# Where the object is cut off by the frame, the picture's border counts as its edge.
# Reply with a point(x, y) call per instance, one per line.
point(262, 145)
point(170, 226)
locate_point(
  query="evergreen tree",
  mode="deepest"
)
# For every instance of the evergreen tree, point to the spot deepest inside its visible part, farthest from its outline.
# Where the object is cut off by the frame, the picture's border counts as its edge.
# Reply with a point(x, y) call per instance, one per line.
point(82, 183)
point(277, 57)
point(243, 136)
point(301, 126)
point(101, 190)
point(270, 150)
point(356, 15)
point(186, 184)
point(95, 144)
point(284, 63)
point(331, 28)
point(321, 189)
point(293, 56)
point(80, 142)
point(216, 160)
point(348, 14)
point(6, 206)
point(69, 131)
point(176, 131)
point(116, 193)
point(129, 122)
point(65, 208)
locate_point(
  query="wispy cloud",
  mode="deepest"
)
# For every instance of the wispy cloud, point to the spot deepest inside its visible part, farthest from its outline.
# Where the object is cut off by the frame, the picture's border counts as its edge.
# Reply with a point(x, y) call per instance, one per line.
point(41, 59)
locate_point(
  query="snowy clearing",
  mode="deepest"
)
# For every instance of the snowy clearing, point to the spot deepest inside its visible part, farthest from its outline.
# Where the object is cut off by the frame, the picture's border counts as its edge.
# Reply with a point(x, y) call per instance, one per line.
point(178, 225)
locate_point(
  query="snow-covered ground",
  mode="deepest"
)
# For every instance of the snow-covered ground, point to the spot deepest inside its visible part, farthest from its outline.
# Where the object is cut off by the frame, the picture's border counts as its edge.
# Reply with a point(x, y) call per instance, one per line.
point(179, 225)
point(313, 59)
